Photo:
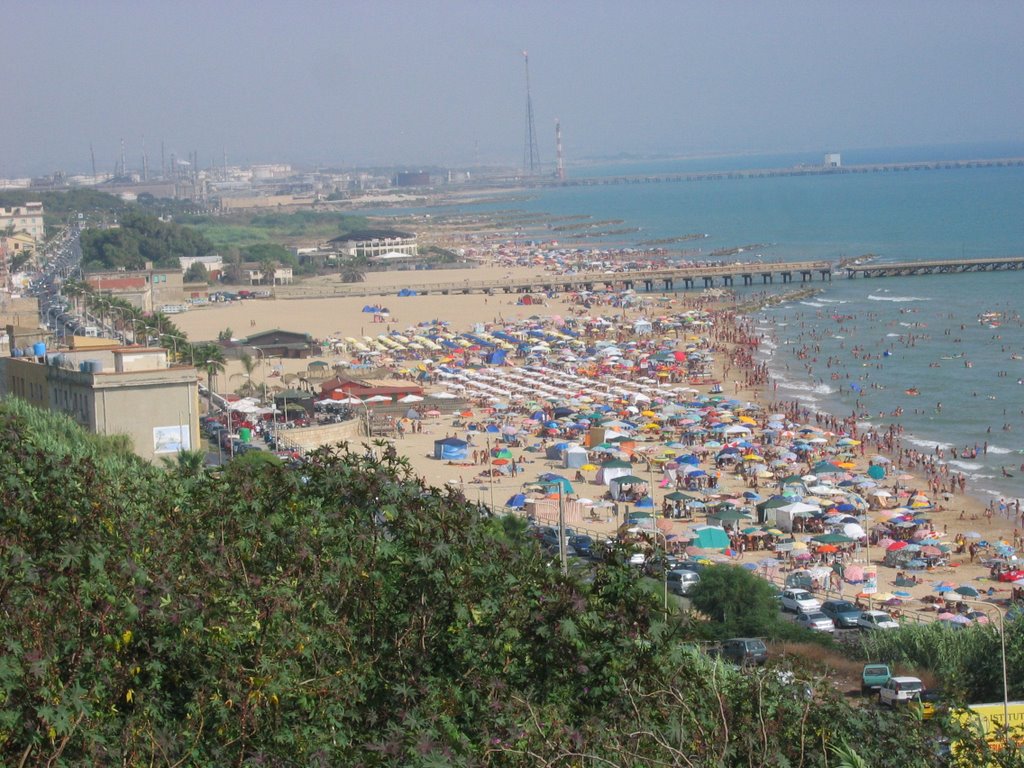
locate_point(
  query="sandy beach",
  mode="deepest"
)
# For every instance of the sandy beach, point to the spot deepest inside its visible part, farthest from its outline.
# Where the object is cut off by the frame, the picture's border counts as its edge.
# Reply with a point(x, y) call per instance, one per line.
point(728, 338)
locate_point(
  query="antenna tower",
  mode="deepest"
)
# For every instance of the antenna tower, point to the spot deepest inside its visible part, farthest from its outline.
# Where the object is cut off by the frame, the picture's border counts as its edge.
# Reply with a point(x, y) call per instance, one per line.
point(560, 167)
point(92, 155)
point(531, 157)
point(124, 161)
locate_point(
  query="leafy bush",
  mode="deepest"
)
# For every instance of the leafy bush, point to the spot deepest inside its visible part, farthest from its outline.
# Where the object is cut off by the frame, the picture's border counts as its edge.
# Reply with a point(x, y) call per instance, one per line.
point(345, 614)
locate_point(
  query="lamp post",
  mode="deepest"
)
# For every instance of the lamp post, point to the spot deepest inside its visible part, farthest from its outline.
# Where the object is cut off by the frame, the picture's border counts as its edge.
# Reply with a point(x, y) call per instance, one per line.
point(1002, 649)
point(664, 572)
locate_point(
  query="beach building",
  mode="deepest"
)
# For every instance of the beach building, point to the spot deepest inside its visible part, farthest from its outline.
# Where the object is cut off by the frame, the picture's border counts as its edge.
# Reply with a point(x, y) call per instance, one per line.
point(214, 265)
point(342, 387)
point(27, 218)
point(371, 243)
point(109, 390)
point(282, 275)
point(150, 289)
point(278, 343)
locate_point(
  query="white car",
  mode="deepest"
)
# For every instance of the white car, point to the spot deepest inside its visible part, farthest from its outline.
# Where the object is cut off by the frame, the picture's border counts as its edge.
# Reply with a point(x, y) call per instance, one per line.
point(877, 620)
point(799, 601)
point(900, 690)
point(815, 620)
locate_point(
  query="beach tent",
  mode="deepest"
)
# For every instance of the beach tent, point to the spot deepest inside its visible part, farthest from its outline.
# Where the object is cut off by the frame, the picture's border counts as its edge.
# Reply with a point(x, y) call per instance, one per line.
point(710, 537)
point(450, 449)
point(618, 485)
point(497, 357)
point(554, 451)
point(642, 326)
point(516, 502)
point(613, 469)
point(784, 516)
point(574, 456)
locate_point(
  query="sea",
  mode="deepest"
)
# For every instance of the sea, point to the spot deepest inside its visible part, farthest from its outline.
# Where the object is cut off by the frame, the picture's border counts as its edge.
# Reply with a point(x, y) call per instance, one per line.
point(941, 355)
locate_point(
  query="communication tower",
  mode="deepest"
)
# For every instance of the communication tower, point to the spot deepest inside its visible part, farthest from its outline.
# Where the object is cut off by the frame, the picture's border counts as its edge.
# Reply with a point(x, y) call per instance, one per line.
point(531, 157)
point(560, 166)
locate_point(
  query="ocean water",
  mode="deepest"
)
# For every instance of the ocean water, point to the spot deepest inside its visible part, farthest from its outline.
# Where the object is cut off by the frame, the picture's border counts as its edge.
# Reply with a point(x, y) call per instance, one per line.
point(907, 325)
point(867, 342)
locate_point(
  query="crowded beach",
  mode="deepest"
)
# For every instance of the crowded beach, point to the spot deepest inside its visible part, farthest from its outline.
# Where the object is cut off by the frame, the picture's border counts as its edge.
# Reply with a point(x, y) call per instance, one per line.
point(646, 418)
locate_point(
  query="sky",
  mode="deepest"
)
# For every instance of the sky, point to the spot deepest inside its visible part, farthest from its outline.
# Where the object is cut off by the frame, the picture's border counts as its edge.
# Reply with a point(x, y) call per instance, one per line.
point(356, 83)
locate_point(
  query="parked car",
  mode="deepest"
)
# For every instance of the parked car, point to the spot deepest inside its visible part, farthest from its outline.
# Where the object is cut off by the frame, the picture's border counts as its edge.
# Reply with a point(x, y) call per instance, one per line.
point(583, 544)
point(843, 613)
point(873, 677)
point(877, 620)
point(637, 559)
point(681, 581)
point(815, 620)
point(929, 702)
point(799, 600)
point(799, 580)
point(743, 651)
point(900, 690)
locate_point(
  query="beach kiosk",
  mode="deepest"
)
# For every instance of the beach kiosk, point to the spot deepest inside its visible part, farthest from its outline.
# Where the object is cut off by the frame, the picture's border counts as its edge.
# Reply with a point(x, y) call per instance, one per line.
point(450, 449)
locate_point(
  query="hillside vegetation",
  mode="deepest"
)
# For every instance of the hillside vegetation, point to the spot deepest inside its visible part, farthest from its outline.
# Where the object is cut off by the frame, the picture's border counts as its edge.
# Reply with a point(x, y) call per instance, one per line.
point(344, 614)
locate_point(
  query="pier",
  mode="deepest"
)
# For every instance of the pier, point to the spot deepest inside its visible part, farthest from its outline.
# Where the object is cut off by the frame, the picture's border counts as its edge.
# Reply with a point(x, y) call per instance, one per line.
point(939, 267)
point(768, 173)
point(650, 280)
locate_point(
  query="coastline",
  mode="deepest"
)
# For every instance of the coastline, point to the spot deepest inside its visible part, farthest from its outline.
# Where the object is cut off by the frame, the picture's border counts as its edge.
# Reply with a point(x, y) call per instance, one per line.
point(732, 335)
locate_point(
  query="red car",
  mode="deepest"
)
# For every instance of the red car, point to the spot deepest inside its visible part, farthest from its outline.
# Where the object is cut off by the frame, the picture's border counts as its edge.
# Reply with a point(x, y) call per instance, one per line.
point(1011, 575)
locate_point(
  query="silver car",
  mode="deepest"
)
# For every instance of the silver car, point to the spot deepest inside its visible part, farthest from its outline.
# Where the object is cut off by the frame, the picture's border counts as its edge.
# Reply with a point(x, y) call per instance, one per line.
point(815, 620)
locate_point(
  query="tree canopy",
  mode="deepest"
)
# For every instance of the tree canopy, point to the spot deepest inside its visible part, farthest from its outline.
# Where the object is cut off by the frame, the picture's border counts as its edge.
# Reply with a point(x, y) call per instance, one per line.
point(138, 239)
point(345, 614)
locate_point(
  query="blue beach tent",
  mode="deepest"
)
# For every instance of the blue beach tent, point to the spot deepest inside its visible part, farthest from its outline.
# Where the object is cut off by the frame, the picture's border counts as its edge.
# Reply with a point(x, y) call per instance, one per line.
point(450, 449)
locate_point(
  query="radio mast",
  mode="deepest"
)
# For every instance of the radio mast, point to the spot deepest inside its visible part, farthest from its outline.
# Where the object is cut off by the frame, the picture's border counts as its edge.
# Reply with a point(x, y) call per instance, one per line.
point(531, 157)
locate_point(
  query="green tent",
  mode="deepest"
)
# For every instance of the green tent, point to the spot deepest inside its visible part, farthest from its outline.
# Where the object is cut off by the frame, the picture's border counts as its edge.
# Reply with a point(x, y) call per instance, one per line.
point(710, 537)
point(832, 538)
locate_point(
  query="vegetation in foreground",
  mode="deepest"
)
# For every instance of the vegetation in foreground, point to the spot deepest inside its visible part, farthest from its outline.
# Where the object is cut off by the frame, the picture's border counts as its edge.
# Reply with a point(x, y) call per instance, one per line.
point(344, 614)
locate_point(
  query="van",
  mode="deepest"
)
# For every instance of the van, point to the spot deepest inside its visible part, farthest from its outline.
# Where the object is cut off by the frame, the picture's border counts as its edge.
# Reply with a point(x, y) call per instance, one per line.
point(681, 581)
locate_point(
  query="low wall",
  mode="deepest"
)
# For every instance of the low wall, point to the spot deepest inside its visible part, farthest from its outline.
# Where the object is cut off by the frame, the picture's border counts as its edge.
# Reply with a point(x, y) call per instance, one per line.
point(310, 438)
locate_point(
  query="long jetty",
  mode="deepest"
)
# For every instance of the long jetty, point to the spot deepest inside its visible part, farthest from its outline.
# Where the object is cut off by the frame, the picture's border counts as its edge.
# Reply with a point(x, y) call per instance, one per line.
point(670, 279)
point(665, 279)
point(938, 267)
point(768, 173)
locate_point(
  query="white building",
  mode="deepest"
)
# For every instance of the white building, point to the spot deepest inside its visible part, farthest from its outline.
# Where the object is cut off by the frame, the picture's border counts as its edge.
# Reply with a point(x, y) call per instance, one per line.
point(214, 264)
point(24, 218)
point(833, 160)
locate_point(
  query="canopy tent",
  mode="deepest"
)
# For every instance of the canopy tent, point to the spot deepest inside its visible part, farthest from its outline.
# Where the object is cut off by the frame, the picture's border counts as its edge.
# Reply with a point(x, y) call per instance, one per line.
point(619, 484)
point(450, 449)
point(574, 457)
point(710, 537)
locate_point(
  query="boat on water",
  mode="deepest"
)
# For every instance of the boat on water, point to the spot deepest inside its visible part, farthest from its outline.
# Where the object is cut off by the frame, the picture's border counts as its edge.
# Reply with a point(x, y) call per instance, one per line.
point(957, 356)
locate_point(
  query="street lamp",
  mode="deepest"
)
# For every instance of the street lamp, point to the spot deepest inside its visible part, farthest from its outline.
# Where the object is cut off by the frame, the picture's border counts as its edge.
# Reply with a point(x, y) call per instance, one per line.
point(664, 571)
point(1002, 648)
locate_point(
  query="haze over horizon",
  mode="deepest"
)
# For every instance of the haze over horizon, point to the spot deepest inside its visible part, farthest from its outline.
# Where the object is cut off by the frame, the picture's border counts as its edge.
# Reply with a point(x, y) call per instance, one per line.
point(441, 83)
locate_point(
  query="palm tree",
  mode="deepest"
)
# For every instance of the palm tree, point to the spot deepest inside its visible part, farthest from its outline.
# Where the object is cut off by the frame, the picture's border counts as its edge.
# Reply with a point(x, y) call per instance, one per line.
point(210, 360)
point(268, 267)
point(186, 463)
point(248, 366)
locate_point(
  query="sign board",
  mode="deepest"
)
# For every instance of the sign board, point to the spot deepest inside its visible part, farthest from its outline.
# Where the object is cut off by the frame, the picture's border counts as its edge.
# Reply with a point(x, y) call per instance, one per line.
point(172, 439)
point(870, 586)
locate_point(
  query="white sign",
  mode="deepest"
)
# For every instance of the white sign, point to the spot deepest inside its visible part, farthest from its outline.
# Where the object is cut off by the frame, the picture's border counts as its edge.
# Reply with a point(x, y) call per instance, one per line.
point(172, 439)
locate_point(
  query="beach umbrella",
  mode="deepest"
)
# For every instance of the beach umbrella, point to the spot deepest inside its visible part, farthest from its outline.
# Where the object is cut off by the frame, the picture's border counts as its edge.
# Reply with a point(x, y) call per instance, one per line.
point(832, 538)
point(967, 591)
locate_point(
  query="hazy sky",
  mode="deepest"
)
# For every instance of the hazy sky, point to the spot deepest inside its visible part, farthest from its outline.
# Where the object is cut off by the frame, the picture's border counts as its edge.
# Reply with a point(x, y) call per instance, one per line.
point(441, 83)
